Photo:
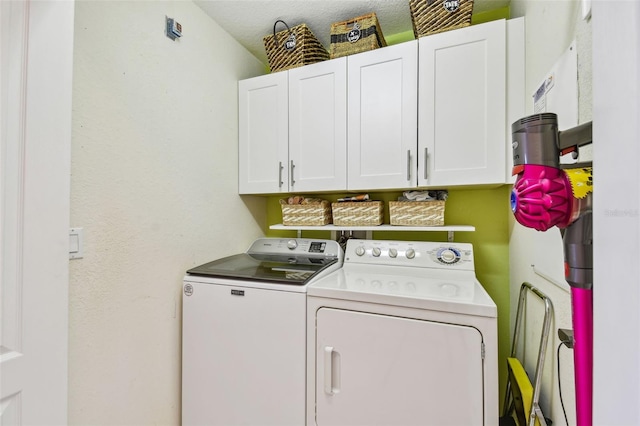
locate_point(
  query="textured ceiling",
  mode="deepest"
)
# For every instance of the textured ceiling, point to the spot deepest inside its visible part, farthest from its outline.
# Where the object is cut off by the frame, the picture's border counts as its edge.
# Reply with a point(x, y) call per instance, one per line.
point(248, 21)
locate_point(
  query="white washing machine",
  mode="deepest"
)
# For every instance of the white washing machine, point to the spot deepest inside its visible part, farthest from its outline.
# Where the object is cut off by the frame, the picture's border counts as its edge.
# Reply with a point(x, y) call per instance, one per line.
point(244, 333)
point(402, 334)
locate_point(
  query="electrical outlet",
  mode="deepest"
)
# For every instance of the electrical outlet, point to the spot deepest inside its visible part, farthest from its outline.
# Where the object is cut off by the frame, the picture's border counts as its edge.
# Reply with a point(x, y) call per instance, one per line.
point(566, 336)
point(586, 9)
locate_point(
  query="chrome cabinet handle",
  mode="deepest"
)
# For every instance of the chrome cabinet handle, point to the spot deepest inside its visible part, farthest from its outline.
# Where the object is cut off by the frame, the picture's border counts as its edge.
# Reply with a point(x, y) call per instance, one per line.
point(425, 163)
point(280, 182)
point(293, 182)
point(409, 165)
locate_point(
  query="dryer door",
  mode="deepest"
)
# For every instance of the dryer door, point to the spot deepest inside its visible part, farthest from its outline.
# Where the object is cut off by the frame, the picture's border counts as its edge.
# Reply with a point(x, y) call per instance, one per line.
point(383, 370)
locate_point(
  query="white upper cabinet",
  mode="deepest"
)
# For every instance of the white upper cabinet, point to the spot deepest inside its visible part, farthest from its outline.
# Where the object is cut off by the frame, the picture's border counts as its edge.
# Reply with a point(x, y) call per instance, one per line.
point(382, 127)
point(433, 112)
point(293, 130)
point(318, 127)
point(263, 134)
point(462, 106)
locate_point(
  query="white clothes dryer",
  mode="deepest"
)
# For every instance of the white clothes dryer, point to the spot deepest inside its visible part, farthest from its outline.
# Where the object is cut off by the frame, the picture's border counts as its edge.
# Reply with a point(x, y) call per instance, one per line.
point(402, 334)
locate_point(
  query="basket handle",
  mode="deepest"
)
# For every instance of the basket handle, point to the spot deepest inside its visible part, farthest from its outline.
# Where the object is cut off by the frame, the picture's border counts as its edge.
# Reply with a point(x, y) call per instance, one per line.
point(275, 37)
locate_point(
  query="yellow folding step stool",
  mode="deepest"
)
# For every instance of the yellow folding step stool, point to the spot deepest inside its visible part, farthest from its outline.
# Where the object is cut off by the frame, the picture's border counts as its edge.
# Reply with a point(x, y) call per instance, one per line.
point(522, 397)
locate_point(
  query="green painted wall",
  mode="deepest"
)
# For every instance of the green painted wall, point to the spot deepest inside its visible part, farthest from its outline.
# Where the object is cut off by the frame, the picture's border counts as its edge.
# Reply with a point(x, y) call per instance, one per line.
point(491, 15)
point(486, 209)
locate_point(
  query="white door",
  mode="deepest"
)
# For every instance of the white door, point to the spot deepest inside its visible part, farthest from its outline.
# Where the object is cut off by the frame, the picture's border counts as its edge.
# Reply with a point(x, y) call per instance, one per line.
point(616, 219)
point(35, 123)
point(381, 370)
point(318, 127)
point(263, 134)
point(462, 106)
point(382, 123)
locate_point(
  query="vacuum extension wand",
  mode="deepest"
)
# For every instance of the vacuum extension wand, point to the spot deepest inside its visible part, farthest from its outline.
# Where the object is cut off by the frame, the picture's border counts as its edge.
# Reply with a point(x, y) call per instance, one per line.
point(547, 194)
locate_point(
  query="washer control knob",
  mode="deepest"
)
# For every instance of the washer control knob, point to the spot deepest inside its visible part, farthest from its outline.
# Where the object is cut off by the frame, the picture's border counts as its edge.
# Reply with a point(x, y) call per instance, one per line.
point(410, 253)
point(291, 244)
point(360, 251)
point(393, 253)
point(375, 252)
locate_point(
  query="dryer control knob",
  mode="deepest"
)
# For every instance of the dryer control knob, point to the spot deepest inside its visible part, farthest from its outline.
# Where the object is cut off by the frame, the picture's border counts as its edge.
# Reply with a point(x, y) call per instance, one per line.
point(375, 252)
point(360, 251)
point(448, 256)
point(291, 244)
point(393, 253)
point(410, 253)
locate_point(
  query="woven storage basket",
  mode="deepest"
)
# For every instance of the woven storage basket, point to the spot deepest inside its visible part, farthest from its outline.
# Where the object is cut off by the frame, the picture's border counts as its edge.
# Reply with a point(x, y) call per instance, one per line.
point(436, 16)
point(359, 213)
point(283, 54)
point(315, 214)
point(416, 213)
point(356, 35)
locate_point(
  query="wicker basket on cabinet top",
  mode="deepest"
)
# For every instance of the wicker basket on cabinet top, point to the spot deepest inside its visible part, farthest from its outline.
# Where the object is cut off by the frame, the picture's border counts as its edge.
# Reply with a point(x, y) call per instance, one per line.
point(356, 35)
point(416, 213)
point(293, 47)
point(436, 16)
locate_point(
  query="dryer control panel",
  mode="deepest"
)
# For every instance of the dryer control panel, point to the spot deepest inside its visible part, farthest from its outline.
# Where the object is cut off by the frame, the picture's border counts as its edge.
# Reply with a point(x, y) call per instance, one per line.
point(421, 254)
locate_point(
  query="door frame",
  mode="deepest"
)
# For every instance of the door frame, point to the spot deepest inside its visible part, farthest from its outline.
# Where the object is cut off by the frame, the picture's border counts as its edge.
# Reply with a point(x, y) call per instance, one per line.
point(37, 64)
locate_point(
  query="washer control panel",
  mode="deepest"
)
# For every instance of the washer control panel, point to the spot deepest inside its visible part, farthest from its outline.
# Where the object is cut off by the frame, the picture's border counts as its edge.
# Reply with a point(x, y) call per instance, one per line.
point(411, 253)
point(296, 247)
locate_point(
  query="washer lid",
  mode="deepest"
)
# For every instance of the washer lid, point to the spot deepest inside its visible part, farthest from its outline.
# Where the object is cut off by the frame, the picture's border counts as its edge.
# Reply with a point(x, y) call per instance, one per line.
point(448, 291)
point(277, 260)
point(296, 270)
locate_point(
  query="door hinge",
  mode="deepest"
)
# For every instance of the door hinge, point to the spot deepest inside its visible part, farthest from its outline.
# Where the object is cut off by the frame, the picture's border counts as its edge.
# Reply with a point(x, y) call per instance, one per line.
point(482, 350)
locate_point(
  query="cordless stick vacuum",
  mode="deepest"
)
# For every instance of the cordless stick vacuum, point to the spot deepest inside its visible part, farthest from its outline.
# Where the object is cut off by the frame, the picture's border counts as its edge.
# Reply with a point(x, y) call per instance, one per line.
point(547, 194)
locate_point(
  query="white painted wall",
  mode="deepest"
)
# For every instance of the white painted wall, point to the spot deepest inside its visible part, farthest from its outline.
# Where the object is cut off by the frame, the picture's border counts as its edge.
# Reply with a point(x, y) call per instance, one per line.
point(551, 26)
point(154, 185)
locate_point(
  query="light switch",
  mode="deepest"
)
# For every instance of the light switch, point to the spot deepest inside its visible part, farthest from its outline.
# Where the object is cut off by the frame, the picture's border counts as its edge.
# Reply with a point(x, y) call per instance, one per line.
point(74, 244)
point(76, 249)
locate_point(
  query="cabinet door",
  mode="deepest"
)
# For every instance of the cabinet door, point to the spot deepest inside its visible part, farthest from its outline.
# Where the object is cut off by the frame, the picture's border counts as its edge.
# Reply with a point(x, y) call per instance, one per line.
point(381, 370)
point(382, 123)
point(462, 106)
point(318, 127)
point(263, 134)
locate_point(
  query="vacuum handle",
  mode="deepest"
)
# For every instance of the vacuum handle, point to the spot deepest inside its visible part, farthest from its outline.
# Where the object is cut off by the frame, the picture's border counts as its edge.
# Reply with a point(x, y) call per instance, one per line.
point(576, 136)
